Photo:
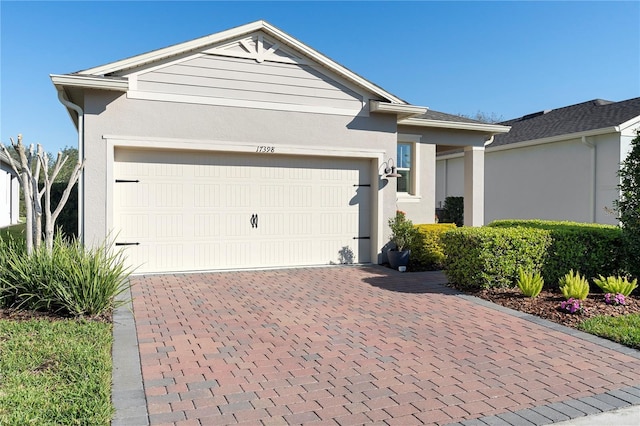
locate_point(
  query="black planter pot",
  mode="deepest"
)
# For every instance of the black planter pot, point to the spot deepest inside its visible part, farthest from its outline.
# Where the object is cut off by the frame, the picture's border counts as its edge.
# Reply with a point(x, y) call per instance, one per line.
point(398, 258)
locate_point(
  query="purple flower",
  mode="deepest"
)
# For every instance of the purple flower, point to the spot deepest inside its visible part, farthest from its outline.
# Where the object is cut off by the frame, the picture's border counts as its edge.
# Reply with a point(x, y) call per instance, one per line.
point(618, 299)
point(572, 305)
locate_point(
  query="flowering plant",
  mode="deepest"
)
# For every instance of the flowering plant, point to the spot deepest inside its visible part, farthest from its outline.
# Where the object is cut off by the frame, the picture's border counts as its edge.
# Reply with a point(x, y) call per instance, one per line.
point(618, 299)
point(572, 306)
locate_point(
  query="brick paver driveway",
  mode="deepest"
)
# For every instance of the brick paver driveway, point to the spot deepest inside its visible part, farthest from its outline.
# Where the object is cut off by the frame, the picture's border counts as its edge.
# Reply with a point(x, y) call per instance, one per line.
point(350, 345)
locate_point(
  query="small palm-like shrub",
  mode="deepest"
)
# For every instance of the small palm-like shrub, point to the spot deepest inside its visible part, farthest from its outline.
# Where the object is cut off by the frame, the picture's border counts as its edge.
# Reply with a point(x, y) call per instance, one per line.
point(574, 286)
point(616, 285)
point(530, 283)
point(70, 280)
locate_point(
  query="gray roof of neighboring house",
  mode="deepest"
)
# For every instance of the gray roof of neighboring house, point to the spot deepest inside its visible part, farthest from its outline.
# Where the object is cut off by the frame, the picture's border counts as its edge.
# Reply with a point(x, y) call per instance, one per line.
point(441, 116)
point(3, 157)
point(590, 115)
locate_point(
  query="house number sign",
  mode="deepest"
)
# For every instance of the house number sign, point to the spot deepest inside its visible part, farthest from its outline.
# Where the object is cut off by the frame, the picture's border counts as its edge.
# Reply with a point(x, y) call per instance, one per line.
point(266, 149)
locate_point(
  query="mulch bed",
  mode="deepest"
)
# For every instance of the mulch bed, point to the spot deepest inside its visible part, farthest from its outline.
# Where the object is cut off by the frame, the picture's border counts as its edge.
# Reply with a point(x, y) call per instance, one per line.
point(25, 315)
point(547, 305)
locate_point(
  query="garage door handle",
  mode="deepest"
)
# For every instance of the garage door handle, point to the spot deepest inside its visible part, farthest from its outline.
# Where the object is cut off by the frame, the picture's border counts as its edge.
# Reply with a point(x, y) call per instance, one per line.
point(254, 221)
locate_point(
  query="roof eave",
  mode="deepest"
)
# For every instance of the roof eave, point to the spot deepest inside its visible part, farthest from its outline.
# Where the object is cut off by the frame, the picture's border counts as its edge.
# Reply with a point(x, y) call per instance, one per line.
point(455, 125)
point(90, 82)
point(403, 111)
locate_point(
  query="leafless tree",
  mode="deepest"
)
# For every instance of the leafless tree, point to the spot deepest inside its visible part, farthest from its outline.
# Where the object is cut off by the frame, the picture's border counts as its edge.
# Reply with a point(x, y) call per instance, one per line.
point(32, 163)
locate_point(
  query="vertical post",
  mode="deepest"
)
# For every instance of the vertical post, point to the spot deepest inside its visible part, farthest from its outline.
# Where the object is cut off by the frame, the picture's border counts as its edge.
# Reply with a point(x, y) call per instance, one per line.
point(474, 185)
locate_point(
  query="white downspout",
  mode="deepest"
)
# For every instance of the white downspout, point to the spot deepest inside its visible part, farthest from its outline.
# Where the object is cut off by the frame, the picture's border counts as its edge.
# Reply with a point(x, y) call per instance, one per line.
point(592, 168)
point(78, 110)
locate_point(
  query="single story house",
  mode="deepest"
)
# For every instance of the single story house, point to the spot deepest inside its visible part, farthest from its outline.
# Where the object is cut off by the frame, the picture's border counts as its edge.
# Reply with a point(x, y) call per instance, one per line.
point(9, 193)
point(249, 149)
point(560, 164)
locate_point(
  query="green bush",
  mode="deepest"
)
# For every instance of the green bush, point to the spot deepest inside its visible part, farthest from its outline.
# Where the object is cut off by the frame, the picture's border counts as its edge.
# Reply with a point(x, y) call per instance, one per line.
point(490, 257)
point(403, 232)
point(68, 219)
point(530, 283)
point(574, 286)
point(628, 206)
point(587, 247)
point(453, 210)
point(427, 253)
point(615, 285)
point(71, 280)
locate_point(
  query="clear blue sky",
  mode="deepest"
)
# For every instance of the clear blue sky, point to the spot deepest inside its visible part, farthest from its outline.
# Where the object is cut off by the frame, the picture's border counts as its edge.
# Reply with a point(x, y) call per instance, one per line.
point(507, 58)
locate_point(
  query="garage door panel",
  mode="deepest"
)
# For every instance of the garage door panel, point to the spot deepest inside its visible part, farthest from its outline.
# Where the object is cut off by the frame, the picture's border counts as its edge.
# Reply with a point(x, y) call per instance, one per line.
point(192, 211)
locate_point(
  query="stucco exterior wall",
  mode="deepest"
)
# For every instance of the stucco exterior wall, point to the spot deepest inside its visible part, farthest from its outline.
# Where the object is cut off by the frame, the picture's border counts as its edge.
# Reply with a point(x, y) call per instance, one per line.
point(553, 181)
point(421, 207)
point(110, 113)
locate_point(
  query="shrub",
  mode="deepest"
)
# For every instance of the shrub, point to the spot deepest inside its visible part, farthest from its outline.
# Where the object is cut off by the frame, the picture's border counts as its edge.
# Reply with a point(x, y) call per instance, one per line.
point(587, 247)
point(574, 286)
point(427, 252)
point(628, 206)
point(71, 280)
point(453, 210)
point(530, 283)
point(490, 257)
point(402, 231)
point(616, 285)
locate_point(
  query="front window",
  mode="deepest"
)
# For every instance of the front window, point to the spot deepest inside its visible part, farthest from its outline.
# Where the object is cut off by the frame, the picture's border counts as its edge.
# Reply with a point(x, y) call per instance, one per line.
point(404, 160)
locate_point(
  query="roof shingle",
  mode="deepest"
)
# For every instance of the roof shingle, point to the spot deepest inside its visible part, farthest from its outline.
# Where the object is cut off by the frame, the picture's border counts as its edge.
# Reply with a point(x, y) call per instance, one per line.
point(590, 115)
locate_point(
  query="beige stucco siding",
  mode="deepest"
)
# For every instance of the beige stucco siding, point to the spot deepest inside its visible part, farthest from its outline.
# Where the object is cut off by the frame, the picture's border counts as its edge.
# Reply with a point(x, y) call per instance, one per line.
point(109, 114)
point(553, 181)
point(420, 207)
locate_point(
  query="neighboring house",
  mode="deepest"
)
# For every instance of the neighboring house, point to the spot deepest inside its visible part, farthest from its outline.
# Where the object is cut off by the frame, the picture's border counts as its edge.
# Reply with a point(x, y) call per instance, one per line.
point(9, 193)
point(560, 164)
point(247, 148)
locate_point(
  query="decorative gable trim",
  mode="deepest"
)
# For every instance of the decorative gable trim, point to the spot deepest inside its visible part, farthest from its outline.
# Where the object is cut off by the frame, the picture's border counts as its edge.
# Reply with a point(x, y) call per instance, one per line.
point(285, 43)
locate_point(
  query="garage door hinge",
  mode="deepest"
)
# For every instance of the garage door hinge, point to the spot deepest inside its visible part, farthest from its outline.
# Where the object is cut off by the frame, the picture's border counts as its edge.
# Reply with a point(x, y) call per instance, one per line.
point(362, 184)
point(126, 181)
point(127, 244)
point(361, 238)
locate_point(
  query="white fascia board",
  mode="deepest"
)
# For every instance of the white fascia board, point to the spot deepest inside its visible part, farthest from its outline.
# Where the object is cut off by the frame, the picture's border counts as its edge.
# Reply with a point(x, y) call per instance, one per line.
point(552, 139)
point(269, 29)
point(629, 123)
point(92, 82)
point(457, 125)
point(402, 110)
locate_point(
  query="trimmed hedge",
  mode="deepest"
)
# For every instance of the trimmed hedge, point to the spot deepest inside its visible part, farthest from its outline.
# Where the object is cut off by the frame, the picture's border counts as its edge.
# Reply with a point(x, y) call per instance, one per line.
point(427, 253)
point(590, 248)
point(490, 257)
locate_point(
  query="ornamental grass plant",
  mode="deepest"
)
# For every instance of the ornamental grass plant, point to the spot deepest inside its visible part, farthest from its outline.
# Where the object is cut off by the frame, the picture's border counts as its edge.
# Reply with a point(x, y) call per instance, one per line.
point(574, 286)
point(530, 283)
point(71, 280)
point(616, 285)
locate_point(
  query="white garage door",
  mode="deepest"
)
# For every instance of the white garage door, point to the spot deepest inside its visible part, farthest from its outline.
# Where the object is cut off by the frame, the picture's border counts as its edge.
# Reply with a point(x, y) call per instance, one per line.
point(190, 211)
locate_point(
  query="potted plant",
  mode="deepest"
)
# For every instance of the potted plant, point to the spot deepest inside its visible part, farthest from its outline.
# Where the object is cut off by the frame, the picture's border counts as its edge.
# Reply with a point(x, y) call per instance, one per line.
point(402, 234)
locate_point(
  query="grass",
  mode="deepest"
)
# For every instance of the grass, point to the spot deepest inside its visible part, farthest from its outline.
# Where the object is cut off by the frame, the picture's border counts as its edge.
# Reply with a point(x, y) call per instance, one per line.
point(55, 372)
point(624, 329)
point(15, 231)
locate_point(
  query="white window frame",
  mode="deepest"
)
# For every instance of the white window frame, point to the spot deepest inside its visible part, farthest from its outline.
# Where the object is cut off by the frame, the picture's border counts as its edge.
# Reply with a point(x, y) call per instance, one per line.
point(414, 183)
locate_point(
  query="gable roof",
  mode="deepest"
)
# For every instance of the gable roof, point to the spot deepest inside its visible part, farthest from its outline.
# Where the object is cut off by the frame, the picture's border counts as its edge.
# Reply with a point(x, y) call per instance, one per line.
point(587, 116)
point(108, 74)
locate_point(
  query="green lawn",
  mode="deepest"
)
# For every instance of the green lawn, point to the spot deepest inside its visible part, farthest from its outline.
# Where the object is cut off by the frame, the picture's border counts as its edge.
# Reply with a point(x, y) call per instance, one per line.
point(55, 372)
point(16, 232)
point(623, 329)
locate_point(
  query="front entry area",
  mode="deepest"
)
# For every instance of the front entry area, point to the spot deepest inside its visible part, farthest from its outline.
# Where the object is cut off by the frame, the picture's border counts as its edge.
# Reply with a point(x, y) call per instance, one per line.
point(195, 210)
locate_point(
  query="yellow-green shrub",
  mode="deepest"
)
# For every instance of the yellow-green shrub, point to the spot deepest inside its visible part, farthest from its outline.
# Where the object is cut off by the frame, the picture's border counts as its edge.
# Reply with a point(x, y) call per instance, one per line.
point(615, 285)
point(574, 286)
point(530, 283)
point(427, 252)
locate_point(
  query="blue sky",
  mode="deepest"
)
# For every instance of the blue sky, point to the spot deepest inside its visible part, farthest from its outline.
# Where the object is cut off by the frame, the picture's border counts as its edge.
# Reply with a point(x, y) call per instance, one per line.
point(505, 58)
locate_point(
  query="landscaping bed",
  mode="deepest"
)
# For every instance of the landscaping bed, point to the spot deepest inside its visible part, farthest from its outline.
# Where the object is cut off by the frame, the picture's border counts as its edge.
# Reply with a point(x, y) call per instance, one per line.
point(547, 305)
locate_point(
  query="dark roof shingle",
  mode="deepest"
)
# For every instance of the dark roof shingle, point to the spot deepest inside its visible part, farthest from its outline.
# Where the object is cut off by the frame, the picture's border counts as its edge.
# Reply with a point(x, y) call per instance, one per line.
point(590, 115)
